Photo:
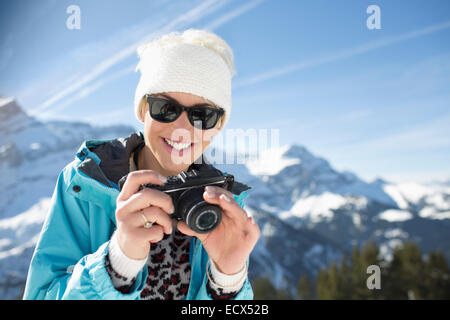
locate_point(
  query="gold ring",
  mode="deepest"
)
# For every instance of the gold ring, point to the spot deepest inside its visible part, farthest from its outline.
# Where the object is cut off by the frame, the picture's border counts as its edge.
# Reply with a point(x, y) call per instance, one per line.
point(147, 224)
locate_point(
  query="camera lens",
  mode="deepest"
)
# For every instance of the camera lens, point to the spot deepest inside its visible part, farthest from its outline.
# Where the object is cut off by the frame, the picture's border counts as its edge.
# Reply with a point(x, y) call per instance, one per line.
point(204, 217)
point(199, 215)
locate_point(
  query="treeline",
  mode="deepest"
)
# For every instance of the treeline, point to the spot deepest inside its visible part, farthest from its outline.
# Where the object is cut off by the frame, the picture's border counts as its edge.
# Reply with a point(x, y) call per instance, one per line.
point(408, 275)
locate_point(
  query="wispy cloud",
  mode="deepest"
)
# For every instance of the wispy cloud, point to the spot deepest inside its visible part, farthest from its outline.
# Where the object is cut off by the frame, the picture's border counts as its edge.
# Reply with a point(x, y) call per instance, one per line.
point(6, 51)
point(86, 91)
point(343, 54)
point(107, 117)
point(81, 87)
point(431, 134)
point(232, 14)
point(180, 21)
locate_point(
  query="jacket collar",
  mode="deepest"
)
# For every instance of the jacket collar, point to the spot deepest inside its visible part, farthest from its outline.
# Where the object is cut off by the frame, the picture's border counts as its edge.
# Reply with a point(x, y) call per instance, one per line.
point(108, 160)
point(97, 165)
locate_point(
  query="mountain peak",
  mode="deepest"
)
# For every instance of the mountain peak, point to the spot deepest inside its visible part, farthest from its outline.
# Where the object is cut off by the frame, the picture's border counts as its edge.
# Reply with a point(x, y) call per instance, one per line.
point(307, 158)
point(380, 182)
point(272, 161)
point(9, 108)
point(295, 150)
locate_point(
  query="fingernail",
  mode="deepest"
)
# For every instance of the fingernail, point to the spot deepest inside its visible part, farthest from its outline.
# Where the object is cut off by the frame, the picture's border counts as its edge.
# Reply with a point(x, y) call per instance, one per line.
point(210, 194)
point(223, 195)
point(162, 178)
point(253, 220)
point(210, 189)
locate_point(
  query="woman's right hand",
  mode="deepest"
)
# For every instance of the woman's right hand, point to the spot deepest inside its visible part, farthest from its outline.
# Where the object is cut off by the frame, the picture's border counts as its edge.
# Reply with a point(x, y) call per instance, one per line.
point(134, 240)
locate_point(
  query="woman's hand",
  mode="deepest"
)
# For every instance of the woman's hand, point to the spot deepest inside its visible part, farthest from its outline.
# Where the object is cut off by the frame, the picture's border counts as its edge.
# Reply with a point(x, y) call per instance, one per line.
point(134, 240)
point(230, 244)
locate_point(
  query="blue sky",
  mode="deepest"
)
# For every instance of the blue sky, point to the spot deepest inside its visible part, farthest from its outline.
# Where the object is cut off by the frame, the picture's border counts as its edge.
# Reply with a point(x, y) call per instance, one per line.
point(376, 102)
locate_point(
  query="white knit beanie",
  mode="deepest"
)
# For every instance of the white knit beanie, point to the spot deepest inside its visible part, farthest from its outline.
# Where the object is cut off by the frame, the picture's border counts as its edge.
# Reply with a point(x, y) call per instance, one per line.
point(196, 62)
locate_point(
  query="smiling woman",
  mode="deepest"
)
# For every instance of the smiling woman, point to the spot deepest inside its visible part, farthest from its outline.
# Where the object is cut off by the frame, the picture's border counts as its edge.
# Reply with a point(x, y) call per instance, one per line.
point(172, 148)
point(102, 242)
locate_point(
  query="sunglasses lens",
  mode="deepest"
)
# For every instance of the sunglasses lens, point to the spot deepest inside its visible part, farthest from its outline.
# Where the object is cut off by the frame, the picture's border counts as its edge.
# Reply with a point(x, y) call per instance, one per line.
point(208, 117)
point(164, 111)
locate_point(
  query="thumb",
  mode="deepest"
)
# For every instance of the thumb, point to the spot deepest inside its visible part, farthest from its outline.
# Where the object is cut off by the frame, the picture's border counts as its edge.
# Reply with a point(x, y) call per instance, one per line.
point(183, 228)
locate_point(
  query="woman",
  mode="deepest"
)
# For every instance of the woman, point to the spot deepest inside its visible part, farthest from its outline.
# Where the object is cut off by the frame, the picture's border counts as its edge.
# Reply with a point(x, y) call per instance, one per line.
point(99, 243)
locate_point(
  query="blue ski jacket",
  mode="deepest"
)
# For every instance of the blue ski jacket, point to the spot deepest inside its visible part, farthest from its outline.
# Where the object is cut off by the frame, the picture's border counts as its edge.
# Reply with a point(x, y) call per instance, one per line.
point(69, 258)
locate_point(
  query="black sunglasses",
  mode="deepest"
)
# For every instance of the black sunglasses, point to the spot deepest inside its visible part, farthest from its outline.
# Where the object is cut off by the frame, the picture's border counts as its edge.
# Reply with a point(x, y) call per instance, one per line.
point(163, 110)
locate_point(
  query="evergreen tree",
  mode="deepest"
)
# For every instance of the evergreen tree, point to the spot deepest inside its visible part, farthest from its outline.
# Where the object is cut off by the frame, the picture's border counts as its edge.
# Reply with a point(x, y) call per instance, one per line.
point(322, 287)
point(283, 294)
point(406, 273)
point(357, 275)
point(304, 288)
point(407, 276)
point(263, 289)
point(437, 276)
point(345, 279)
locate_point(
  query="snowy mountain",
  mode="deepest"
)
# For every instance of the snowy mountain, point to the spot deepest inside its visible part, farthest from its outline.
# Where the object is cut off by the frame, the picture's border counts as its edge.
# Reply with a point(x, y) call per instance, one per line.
point(32, 154)
point(309, 213)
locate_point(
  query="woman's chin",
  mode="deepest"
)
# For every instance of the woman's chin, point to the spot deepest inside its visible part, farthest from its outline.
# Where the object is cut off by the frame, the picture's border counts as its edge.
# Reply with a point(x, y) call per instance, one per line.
point(174, 164)
point(172, 161)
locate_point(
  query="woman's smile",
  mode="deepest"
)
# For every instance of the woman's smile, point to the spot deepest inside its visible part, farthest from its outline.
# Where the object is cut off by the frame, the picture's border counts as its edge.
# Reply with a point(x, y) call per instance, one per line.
point(176, 147)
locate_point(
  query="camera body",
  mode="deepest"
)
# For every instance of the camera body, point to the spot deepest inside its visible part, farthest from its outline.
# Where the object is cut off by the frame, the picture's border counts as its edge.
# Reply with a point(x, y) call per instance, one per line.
point(186, 190)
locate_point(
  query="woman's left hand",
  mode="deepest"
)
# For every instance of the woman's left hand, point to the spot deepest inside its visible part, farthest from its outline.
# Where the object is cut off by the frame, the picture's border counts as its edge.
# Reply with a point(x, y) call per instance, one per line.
point(230, 244)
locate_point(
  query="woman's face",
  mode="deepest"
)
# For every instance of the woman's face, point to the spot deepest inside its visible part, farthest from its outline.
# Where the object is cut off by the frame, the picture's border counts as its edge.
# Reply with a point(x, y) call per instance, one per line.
point(169, 159)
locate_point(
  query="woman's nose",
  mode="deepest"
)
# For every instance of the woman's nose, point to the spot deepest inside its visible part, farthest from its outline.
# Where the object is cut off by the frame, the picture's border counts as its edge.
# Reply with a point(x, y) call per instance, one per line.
point(183, 126)
point(182, 122)
point(183, 130)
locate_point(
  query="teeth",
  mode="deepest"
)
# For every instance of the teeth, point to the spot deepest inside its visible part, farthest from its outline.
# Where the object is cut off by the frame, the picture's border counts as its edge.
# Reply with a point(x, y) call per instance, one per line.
point(177, 146)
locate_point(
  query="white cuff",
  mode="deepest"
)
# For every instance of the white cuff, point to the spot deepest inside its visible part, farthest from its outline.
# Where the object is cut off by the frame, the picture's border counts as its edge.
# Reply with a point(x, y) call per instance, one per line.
point(228, 283)
point(123, 265)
